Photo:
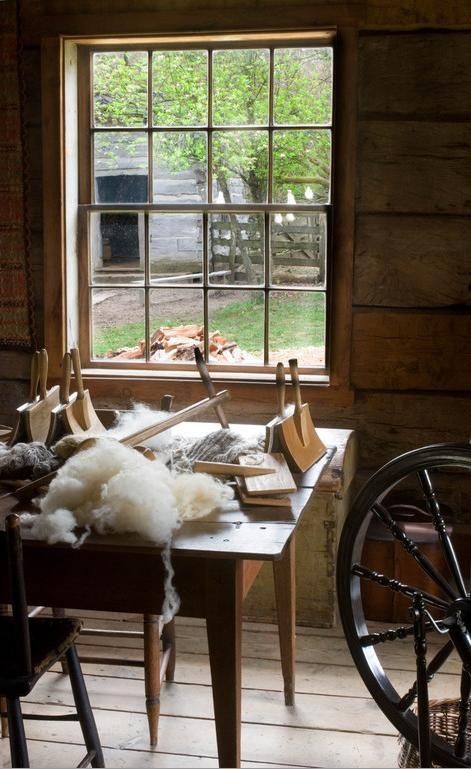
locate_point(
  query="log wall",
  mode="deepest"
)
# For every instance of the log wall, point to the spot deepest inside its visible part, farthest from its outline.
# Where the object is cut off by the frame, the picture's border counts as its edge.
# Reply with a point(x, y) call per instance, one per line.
point(410, 374)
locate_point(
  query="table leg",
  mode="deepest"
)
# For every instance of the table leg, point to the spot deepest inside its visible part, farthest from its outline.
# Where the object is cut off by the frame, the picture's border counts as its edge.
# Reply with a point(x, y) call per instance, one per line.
point(152, 673)
point(224, 628)
point(284, 574)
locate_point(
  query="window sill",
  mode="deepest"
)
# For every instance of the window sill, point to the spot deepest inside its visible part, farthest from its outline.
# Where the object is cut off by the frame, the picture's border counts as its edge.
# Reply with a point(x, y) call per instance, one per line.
point(249, 395)
point(225, 377)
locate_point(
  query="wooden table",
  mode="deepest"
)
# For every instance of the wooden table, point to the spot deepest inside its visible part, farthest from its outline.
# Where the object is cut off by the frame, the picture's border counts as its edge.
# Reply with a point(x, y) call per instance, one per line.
point(216, 560)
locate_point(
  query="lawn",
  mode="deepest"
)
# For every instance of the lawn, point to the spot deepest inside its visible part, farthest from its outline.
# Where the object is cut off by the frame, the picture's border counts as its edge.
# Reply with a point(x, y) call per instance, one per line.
point(296, 322)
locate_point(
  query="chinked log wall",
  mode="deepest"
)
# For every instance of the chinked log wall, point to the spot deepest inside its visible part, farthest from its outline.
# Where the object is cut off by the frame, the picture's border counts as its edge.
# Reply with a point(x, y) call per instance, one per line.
point(411, 320)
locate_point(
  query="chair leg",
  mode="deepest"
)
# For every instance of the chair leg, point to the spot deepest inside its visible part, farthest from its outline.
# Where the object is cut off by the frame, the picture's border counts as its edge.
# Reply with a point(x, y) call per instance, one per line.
point(3, 718)
point(169, 646)
point(152, 673)
point(18, 749)
point(84, 711)
point(59, 612)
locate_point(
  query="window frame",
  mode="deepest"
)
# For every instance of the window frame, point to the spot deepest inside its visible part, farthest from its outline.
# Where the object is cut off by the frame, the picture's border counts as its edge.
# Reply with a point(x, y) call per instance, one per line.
point(55, 66)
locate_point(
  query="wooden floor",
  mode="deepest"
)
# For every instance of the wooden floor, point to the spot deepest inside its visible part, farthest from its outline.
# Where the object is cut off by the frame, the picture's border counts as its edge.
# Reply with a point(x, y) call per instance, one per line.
point(333, 724)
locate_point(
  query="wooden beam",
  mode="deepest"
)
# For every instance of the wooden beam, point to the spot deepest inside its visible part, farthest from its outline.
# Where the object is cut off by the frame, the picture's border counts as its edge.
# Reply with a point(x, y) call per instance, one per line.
point(412, 261)
point(411, 350)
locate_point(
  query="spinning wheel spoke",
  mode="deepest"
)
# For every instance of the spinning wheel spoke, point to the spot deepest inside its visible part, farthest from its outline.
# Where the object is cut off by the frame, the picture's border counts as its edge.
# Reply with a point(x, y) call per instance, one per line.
point(398, 587)
point(433, 506)
point(433, 667)
point(393, 634)
point(411, 547)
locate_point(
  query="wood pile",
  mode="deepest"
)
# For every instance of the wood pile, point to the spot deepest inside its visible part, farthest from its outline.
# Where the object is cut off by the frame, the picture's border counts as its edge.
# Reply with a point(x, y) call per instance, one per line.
point(176, 343)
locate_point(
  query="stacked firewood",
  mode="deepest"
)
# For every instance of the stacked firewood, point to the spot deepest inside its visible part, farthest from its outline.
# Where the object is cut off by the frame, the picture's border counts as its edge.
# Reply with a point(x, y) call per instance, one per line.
point(176, 343)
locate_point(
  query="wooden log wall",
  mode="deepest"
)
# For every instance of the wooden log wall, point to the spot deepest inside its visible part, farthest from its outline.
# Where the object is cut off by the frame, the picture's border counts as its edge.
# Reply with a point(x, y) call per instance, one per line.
point(410, 373)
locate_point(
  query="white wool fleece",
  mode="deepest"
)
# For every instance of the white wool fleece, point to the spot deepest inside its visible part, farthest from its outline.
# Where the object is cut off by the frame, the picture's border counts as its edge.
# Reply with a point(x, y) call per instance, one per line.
point(111, 487)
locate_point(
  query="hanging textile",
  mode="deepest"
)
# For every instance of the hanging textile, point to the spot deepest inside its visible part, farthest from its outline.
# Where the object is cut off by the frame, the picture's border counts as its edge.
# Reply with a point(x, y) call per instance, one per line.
point(16, 311)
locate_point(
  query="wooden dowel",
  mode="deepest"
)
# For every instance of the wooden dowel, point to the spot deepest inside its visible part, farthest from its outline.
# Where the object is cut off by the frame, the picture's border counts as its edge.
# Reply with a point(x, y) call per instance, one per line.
point(228, 468)
point(175, 419)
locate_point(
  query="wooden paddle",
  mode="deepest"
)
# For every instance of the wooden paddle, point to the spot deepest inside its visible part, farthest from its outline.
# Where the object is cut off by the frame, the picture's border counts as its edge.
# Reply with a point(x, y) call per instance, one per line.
point(301, 443)
point(38, 415)
point(82, 415)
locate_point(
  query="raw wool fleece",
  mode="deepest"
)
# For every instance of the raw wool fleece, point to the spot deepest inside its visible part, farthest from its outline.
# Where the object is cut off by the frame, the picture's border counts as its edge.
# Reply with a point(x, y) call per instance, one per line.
point(111, 487)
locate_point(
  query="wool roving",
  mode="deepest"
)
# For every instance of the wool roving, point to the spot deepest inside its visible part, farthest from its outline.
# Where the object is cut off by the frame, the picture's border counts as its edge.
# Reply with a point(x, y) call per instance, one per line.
point(26, 460)
point(110, 487)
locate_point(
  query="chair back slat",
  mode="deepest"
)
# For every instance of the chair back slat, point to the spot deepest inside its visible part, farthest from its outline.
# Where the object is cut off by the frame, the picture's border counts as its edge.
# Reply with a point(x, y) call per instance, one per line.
point(18, 593)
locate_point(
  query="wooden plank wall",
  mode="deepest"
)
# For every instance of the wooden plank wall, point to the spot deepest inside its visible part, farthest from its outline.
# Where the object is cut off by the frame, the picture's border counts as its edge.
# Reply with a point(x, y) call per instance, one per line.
point(411, 320)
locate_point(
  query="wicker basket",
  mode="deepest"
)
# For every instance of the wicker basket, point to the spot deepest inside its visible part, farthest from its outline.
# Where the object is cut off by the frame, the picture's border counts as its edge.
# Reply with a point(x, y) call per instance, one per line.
point(444, 715)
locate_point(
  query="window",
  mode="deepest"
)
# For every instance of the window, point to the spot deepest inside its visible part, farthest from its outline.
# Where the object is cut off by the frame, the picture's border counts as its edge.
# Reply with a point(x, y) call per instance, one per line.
point(205, 203)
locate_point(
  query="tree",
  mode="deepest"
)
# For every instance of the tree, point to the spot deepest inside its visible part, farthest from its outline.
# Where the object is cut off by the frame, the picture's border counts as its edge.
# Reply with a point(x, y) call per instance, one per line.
point(302, 95)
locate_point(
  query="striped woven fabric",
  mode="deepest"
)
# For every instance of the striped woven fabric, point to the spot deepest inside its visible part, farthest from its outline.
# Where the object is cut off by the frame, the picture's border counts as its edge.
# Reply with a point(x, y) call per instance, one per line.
point(16, 318)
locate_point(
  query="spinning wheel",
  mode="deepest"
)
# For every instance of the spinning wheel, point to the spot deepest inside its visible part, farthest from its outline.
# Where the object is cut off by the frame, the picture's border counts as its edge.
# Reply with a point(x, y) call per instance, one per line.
point(419, 505)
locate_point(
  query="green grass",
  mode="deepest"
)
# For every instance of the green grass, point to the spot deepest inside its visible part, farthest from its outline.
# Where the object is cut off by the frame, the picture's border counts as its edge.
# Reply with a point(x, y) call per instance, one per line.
point(293, 323)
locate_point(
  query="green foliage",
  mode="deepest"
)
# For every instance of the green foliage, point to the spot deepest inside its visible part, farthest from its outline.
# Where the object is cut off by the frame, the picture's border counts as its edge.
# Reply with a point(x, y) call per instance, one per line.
point(302, 94)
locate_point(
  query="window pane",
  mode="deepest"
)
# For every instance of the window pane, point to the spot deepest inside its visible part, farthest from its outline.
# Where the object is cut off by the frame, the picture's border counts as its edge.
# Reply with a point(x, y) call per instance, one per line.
point(235, 249)
point(180, 88)
point(298, 249)
point(120, 167)
point(118, 323)
point(301, 166)
point(240, 87)
point(235, 322)
point(120, 88)
point(302, 85)
point(176, 324)
point(117, 248)
point(240, 166)
point(176, 248)
point(180, 163)
point(297, 327)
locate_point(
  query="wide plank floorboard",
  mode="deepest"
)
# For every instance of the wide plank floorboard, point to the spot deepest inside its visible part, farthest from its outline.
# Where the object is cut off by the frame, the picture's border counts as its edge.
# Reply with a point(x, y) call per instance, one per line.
point(333, 724)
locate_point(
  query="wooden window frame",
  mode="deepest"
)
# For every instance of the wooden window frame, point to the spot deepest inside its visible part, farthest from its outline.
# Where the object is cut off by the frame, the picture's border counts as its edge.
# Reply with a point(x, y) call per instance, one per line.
point(59, 224)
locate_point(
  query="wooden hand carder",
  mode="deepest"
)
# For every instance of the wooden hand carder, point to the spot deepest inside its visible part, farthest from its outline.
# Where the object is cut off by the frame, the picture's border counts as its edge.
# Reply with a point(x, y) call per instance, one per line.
point(301, 443)
point(19, 432)
point(81, 416)
point(58, 423)
point(272, 433)
point(38, 415)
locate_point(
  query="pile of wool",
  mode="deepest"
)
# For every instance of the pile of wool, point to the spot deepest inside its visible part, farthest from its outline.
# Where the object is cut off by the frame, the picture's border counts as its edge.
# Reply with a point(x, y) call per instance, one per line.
point(110, 487)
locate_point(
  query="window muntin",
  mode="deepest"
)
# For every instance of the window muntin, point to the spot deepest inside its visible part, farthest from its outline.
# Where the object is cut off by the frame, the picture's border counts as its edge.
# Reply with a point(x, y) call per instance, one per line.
point(224, 204)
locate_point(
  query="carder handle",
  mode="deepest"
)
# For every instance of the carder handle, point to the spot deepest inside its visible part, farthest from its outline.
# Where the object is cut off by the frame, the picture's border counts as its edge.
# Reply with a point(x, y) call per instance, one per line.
point(293, 367)
point(43, 366)
point(280, 388)
point(77, 372)
point(64, 388)
point(34, 378)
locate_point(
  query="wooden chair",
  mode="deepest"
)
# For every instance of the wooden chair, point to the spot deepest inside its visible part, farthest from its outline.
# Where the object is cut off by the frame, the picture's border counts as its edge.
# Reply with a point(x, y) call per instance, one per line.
point(28, 648)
